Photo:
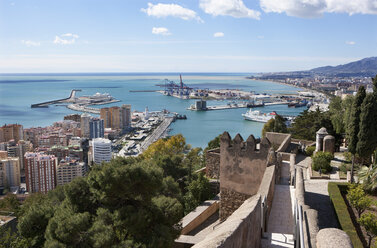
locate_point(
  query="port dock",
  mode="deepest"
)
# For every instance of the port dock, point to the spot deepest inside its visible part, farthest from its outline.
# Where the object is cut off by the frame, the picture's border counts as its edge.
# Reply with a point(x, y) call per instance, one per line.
point(235, 106)
point(64, 100)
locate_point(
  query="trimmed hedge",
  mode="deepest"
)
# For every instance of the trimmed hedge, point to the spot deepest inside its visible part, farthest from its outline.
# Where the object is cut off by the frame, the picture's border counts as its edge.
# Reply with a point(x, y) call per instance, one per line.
point(342, 212)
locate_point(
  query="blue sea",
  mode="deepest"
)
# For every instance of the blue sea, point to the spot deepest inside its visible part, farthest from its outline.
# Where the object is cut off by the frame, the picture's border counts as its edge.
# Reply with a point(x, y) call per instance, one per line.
point(19, 91)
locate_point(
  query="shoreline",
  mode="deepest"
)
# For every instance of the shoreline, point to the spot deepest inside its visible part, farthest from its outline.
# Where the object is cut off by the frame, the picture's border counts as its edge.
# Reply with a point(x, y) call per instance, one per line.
point(286, 84)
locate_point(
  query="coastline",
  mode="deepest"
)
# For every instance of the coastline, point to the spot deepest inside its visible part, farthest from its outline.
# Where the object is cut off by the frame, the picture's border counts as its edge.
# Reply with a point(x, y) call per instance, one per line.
point(278, 82)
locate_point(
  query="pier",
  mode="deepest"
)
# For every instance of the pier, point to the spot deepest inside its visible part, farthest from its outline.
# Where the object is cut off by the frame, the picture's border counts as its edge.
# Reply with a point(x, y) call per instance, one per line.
point(86, 109)
point(68, 99)
point(235, 106)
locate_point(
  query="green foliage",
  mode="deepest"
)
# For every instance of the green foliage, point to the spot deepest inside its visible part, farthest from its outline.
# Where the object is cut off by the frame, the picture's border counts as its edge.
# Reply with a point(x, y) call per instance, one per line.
point(309, 122)
point(171, 146)
point(112, 207)
point(276, 124)
point(10, 203)
point(310, 150)
point(369, 222)
point(368, 177)
point(367, 135)
point(347, 106)
point(198, 191)
point(336, 110)
point(322, 160)
point(358, 199)
point(354, 125)
point(342, 212)
point(215, 143)
point(118, 202)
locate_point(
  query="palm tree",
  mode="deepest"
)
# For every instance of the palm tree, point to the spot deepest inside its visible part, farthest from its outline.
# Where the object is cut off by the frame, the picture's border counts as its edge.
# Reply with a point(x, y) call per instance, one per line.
point(368, 177)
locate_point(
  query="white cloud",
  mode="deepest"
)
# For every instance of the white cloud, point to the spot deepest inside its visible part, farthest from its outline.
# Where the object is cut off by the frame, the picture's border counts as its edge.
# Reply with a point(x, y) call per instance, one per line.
point(218, 34)
point(234, 8)
point(62, 41)
point(316, 8)
point(260, 37)
point(350, 42)
point(160, 31)
point(70, 35)
point(30, 43)
point(161, 10)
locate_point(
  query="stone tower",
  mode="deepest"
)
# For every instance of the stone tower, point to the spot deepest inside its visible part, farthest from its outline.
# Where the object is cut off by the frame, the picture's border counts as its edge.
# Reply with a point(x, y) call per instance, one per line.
point(242, 167)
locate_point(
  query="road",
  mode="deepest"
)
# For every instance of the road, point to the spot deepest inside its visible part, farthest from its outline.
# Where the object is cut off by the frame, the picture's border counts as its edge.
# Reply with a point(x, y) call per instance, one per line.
point(157, 133)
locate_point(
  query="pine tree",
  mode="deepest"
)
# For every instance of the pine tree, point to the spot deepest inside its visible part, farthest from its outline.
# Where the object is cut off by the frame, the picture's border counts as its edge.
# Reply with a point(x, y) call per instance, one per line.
point(367, 136)
point(353, 128)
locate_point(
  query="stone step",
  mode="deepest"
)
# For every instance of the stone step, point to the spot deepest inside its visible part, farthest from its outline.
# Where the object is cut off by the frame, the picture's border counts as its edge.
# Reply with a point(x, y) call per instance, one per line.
point(276, 240)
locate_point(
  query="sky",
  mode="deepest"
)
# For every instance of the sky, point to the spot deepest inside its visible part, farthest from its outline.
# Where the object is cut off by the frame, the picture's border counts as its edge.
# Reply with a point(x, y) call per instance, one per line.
point(42, 36)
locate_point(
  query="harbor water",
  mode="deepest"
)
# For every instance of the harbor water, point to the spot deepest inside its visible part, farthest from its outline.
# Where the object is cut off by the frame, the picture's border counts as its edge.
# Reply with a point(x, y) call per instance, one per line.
point(18, 92)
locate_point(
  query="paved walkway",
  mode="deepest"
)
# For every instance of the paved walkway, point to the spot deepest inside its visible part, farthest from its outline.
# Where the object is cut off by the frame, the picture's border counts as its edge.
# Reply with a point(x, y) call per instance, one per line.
point(317, 197)
point(281, 219)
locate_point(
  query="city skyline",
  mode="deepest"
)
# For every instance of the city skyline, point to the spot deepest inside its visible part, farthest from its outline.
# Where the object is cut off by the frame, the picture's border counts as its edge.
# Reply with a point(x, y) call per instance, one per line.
point(183, 36)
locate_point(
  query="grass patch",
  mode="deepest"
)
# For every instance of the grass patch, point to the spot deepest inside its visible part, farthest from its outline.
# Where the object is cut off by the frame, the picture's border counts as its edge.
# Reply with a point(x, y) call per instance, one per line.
point(342, 212)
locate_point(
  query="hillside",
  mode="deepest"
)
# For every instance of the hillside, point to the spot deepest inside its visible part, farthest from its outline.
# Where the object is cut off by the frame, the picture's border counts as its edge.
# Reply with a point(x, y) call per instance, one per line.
point(364, 67)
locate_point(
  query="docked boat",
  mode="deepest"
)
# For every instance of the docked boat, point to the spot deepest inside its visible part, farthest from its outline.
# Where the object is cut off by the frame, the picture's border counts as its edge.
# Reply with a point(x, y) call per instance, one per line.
point(256, 115)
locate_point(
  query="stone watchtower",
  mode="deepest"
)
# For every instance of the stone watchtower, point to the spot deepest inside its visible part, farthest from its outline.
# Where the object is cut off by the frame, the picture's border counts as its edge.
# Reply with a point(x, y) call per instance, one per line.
point(324, 141)
point(320, 135)
point(242, 167)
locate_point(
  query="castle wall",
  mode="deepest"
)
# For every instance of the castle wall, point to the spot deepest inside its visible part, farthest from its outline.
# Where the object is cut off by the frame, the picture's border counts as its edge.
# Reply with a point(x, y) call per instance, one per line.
point(213, 163)
point(241, 170)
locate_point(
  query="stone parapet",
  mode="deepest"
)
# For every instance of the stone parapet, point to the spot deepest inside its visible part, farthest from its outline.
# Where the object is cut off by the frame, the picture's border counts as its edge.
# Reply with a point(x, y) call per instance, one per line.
point(213, 163)
point(241, 229)
point(333, 238)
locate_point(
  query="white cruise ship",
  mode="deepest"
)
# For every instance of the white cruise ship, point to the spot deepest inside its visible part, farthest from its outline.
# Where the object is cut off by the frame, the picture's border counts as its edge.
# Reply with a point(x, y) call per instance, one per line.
point(256, 115)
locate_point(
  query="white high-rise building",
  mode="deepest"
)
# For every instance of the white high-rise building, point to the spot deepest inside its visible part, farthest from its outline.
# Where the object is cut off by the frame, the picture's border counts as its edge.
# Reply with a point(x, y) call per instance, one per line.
point(101, 150)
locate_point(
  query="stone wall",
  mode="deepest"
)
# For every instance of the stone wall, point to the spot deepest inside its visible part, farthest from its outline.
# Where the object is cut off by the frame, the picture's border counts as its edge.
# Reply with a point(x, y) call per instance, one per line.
point(241, 170)
point(230, 201)
point(241, 229)
point(213, 163)
point(266, 190)
point(280, 141)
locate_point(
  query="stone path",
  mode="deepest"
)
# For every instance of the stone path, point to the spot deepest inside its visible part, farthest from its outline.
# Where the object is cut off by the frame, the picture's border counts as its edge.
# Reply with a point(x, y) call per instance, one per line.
point(280, 222)
point(281, 219)
point(317, 197)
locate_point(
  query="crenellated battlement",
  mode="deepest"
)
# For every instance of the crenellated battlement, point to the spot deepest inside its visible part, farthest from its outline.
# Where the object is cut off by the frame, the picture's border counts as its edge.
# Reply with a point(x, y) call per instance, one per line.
point(242, 166)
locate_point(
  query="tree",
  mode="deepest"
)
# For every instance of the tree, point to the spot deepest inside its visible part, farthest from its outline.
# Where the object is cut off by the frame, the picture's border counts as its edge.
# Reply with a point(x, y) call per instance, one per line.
point(171, 146)
point(358, 199)
point(367, 135)
point(322, 161)
point(215, 143)
point(369, 221)
point(10, 203)
point(368, 176)
point(354, 126)
point(276, 124)
point(198, 191)
point(308, 123)
point(337, 114)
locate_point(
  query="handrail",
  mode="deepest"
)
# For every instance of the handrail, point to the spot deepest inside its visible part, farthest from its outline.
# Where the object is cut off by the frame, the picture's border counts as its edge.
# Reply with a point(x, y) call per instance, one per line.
point(299, 226)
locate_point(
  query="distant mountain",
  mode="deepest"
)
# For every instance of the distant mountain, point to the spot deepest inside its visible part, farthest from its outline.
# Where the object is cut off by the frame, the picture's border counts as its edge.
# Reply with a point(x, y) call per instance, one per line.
point(366, 67)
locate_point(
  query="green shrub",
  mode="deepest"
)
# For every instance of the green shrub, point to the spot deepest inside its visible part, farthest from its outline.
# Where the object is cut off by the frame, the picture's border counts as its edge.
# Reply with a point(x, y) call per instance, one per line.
point(309, 150)
point(358, 198)
point(322, 160)
point(342, 213)
point(345, 167)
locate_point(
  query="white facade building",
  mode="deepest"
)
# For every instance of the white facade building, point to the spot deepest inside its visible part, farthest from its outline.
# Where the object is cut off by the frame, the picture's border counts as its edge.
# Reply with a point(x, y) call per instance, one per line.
point(101, 150)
